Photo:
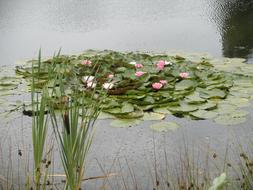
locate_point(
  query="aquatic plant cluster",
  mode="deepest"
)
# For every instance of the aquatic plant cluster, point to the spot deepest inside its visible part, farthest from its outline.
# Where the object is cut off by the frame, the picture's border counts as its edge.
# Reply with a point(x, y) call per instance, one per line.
point(147, 86)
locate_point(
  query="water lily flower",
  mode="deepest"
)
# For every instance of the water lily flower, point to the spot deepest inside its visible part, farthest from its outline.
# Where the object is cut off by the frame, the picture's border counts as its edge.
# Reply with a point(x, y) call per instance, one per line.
point(138, 65)
point(160, 65)
point(139, 73)
point(167, 63)
point(110, 76)
point(133, 63)
point(184, 75)
point(88, 79)
point(86, 62)
point(108, 85)
point(91, 84)
point(157, 85)
point(163, 82)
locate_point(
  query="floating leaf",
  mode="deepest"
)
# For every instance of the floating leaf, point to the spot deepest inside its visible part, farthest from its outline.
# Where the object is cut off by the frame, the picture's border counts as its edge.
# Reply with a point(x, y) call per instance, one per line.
point(219, 183)
point(184, 108)
point(127, 108)
point(239, 102)
point(131, 115)
point(207, 106)
point(225, 108)
point(104, 115)
point(120, 123)
point(229, 120)
point(162, 110)
point(151, 116)
point(165, 126)
point(203, 114)
point(214, 93)
point(184, 85)
point(194, 98)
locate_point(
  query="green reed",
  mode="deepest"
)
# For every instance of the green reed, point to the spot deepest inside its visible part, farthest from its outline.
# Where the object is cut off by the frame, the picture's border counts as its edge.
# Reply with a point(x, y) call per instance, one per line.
point(39, 125)
point(74, 128)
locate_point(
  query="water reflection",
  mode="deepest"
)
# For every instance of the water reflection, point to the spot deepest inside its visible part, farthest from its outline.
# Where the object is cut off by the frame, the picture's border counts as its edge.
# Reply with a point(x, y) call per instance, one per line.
point(235, 22)
point(158, 25)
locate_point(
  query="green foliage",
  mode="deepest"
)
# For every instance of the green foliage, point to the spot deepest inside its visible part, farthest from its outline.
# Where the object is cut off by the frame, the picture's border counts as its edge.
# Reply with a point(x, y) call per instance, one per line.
point(164, 126)
point(74, 127)
point(39, 129)
point(219, 183)
point(210, 82)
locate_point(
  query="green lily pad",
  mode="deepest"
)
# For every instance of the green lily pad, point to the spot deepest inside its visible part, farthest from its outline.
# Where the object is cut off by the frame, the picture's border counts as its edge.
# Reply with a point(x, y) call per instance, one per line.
point(162, 110)
point(207, 106)
point(239, 102)
point(116, 110)
point(151, 116)
point(219, 183)
point(131, 115)
point(214, 93)
point(104, 115)
point(194, 98)
point(183, 108)
point(127, 108)
point(239, 113)
point(120, 123)
point(203, 114)
point(184, 85)
point(225, 108)
point(229, 120)
point(165, 126)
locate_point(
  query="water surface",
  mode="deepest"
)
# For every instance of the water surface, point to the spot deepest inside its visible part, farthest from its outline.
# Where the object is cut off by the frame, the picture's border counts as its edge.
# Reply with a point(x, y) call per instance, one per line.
point(219, 27)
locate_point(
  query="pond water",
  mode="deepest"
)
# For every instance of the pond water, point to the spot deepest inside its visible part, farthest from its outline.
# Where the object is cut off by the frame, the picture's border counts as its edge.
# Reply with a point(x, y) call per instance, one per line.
point(223, 28)
point(219, 27)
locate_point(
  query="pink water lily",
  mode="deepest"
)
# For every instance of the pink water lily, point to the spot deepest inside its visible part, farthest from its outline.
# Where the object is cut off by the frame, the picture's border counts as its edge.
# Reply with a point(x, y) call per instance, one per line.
point(139, 73)
point(138, 65)
point(157, 85)
point(110, 76)
point(163, 82)
point(86, 62)
point(160, 65)
point(184, 75)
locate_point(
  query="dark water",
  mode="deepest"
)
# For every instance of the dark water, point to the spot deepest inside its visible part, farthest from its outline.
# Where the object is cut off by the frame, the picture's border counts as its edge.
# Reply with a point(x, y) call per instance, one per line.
point(219, 27)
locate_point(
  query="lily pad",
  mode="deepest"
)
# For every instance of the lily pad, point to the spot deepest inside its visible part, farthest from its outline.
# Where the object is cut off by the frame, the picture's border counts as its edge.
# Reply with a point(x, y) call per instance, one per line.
point(165, 126)
point(185, 84)
point(229, 120)
point(225, 108)
point(207, 106)
point(239, 102)
point(162, 110)
point(194, 98)
point(183, 108)
point(214, 93)
point(104, 115)
point(151, 116)
point(127, 108)
point(203, 114)
point(120, 123)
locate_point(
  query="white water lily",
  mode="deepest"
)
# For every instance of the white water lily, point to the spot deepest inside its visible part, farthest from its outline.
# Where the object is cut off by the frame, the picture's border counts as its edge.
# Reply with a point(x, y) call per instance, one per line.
point(108, 85)
point(91, 84)
point(167, 63)
point(88, 79)
point(132, 63)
